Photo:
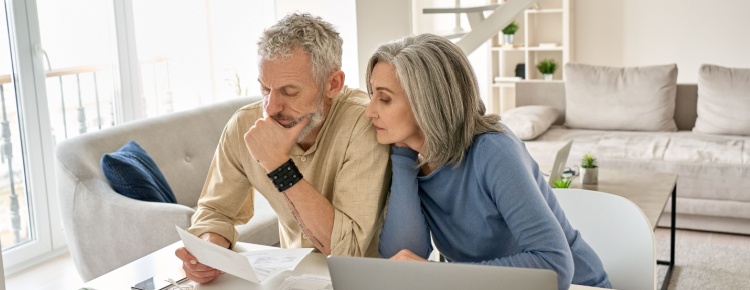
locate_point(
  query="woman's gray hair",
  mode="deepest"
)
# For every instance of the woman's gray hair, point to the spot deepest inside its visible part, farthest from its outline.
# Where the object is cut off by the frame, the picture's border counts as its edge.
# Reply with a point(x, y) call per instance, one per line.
point(443, 92)
point(314, 35)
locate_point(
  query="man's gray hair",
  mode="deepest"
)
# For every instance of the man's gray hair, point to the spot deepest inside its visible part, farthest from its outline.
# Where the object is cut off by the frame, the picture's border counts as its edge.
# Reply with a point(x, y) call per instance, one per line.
point(443, 92)
point(314, 35)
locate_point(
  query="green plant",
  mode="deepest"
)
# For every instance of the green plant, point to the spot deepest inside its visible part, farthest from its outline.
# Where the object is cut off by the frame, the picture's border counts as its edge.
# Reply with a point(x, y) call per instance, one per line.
point(562, 182)
point(588, 161)
point(547, 66)
point(511, 28)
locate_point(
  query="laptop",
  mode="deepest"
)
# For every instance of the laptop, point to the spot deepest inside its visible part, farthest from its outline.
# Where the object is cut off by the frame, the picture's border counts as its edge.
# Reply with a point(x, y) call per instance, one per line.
point(354, 273)
point(559, 166)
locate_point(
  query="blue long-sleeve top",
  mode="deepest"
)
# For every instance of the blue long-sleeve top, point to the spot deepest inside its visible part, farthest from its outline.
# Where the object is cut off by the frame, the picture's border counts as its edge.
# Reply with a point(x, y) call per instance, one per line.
point(495, 208)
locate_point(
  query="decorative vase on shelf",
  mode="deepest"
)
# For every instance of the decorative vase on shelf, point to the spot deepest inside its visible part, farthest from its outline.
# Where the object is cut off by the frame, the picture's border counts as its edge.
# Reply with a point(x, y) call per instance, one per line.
point(508, 39)
point(547, 77)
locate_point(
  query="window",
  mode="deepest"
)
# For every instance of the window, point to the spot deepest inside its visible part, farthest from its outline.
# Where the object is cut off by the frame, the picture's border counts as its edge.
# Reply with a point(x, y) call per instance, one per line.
point(76, 66)
point(194, 52)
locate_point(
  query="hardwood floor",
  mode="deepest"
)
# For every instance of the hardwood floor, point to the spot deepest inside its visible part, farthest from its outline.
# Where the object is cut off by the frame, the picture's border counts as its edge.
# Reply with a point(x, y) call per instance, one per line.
point(60, 273)
point(56, 273)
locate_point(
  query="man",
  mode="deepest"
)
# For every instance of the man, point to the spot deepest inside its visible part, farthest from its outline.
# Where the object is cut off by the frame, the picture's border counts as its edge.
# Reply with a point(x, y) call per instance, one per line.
point(307, 147)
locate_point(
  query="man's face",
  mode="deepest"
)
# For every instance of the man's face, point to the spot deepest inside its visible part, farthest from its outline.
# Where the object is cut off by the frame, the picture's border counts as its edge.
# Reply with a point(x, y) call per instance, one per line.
point(290, 93)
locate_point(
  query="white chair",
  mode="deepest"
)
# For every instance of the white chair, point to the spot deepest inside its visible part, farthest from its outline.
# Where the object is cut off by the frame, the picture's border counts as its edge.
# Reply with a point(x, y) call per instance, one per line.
point(619, 233)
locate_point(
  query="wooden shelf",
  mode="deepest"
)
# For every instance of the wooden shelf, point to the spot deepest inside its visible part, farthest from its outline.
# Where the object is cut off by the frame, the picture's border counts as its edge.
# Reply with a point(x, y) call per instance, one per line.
point(535, 27)
point(538, 11)
point(537, 48)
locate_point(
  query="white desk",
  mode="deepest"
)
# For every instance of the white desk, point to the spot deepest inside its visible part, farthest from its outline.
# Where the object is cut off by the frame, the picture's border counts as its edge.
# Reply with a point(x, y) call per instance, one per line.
point(164, 261)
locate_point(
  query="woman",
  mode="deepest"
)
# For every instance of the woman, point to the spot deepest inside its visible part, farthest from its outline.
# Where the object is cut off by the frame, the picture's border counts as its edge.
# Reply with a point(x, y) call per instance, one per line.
point(460, 175)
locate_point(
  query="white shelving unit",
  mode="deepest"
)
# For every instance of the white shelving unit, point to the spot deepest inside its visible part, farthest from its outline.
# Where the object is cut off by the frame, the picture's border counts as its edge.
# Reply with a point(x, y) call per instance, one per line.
point(547, 22)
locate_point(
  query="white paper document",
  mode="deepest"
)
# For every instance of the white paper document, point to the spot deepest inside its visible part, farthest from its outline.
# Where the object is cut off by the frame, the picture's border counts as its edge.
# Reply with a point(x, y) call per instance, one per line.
point(307, 282)
point(254, 266)
point(268, 263)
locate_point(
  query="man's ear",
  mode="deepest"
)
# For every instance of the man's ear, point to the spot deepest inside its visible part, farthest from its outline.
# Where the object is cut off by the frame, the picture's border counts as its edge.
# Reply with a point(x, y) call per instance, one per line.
point(335, 83)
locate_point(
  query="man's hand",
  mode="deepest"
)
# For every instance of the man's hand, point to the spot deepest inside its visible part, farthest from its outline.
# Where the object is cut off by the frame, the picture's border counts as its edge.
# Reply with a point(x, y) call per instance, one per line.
point(269, 142)
point(196, 271)
point(406, 255)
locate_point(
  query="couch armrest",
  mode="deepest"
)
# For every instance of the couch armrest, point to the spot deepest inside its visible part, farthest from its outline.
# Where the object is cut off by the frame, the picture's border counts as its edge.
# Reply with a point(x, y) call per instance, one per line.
point(101, 224)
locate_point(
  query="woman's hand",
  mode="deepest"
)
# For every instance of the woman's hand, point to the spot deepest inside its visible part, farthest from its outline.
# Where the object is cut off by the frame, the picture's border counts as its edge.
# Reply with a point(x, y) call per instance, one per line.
point(406, 255)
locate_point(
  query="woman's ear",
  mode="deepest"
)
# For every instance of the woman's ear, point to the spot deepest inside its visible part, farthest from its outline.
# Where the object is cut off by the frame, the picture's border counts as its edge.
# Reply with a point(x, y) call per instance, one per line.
point(335, 83)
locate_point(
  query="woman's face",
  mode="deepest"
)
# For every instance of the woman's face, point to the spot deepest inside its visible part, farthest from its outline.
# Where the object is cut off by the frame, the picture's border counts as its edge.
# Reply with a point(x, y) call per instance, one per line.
point(390, 110)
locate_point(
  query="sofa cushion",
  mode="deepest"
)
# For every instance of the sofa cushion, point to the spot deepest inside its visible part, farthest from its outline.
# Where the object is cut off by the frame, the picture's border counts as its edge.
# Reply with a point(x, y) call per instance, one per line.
point(132, 173)
point(620, 98)
point(723, 101)
point(528, 122)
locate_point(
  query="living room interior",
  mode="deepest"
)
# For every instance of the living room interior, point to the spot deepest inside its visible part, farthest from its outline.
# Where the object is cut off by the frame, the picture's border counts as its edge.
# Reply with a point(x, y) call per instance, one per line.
point(105, 64)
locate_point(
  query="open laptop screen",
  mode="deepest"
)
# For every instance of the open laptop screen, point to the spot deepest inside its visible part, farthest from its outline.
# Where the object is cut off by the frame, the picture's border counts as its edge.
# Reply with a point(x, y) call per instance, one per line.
point(559, 166)
point(351, 273)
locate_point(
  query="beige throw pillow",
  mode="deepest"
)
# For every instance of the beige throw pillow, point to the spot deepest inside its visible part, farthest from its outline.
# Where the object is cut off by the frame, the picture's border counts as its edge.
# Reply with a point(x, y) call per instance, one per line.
point(528, 122)
point(723, 100)
point(620, 98)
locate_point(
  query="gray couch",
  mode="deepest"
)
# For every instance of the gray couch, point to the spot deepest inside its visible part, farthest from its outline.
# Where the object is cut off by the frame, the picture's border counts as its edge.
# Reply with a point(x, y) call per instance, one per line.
point(713, 188)
point(106, 230)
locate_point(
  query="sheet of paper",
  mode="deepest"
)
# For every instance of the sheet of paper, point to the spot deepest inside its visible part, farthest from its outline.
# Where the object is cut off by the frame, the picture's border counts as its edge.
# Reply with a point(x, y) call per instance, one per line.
point(307, 282)
point(217, 257)
point(268, 263)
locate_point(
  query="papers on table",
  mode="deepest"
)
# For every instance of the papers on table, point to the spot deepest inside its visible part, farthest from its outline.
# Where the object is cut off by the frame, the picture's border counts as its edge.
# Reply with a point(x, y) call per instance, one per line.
point(255, 266)
point(307, 282)
point(268, 263)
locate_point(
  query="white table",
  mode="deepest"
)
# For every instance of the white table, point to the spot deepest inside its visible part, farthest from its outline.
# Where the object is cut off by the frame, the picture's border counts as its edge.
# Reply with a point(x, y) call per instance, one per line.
point(164, 261)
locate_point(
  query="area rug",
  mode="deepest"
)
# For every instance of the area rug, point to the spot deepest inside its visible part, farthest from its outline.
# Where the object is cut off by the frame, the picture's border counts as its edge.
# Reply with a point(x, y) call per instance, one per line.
point(705, 266)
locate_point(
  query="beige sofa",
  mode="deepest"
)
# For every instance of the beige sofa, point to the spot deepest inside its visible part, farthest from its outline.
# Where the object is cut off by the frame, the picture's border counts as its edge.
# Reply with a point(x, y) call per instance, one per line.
point(713, 185)
point(106, 230)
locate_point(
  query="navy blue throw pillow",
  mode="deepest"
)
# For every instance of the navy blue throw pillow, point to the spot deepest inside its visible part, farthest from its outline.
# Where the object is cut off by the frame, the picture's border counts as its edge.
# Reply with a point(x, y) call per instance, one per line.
point(132, 173)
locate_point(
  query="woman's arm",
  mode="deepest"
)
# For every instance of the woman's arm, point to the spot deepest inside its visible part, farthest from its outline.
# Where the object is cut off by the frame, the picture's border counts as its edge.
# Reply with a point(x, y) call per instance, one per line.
point(511, 180)
point(405, 226)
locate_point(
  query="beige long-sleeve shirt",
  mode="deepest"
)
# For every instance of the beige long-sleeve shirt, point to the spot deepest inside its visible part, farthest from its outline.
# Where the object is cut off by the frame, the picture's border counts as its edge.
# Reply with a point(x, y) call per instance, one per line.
point(346, 165)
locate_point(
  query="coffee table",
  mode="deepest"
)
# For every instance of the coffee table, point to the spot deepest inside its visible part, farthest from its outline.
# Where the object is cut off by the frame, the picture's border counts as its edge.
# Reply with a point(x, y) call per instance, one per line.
point(164, 262)
point(650, 191)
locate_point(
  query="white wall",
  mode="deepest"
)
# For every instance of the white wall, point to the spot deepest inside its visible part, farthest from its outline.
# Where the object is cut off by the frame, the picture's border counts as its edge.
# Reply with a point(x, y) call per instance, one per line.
point(339, 13)
point(442, 24)
point(646, 32)
point(378, 22)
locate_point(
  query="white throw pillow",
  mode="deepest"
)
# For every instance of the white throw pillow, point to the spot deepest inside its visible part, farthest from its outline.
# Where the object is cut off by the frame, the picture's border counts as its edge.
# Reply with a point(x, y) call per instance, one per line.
point(723, 100)
point(528, 122)
point(620, 98)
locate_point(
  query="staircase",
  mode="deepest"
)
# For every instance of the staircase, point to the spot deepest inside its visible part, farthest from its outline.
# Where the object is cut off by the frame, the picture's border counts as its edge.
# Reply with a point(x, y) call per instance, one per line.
point(483, 28)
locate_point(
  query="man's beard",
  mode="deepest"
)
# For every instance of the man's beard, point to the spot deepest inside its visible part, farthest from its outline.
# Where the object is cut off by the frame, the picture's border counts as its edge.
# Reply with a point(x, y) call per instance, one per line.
point(316, 118)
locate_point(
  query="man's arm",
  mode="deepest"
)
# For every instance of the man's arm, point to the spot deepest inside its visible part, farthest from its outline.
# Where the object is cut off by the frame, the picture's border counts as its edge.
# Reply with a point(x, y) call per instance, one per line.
point(348, 224)
point(223, 203)
point(313, 213)
point(227, 197)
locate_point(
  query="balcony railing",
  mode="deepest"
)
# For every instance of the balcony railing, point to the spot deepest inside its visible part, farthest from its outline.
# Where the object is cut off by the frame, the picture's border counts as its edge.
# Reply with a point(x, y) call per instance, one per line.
point(80, 99)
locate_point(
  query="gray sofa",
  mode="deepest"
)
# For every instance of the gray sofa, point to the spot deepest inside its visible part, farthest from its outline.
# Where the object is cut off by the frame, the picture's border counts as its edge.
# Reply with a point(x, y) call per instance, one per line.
point(713, 188)
point(106, 230)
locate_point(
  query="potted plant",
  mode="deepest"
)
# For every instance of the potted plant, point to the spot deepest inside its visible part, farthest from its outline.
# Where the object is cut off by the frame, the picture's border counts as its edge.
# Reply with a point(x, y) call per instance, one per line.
point(589, 169)
point(508, 33)
point(547, 67)
point(562, 182)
